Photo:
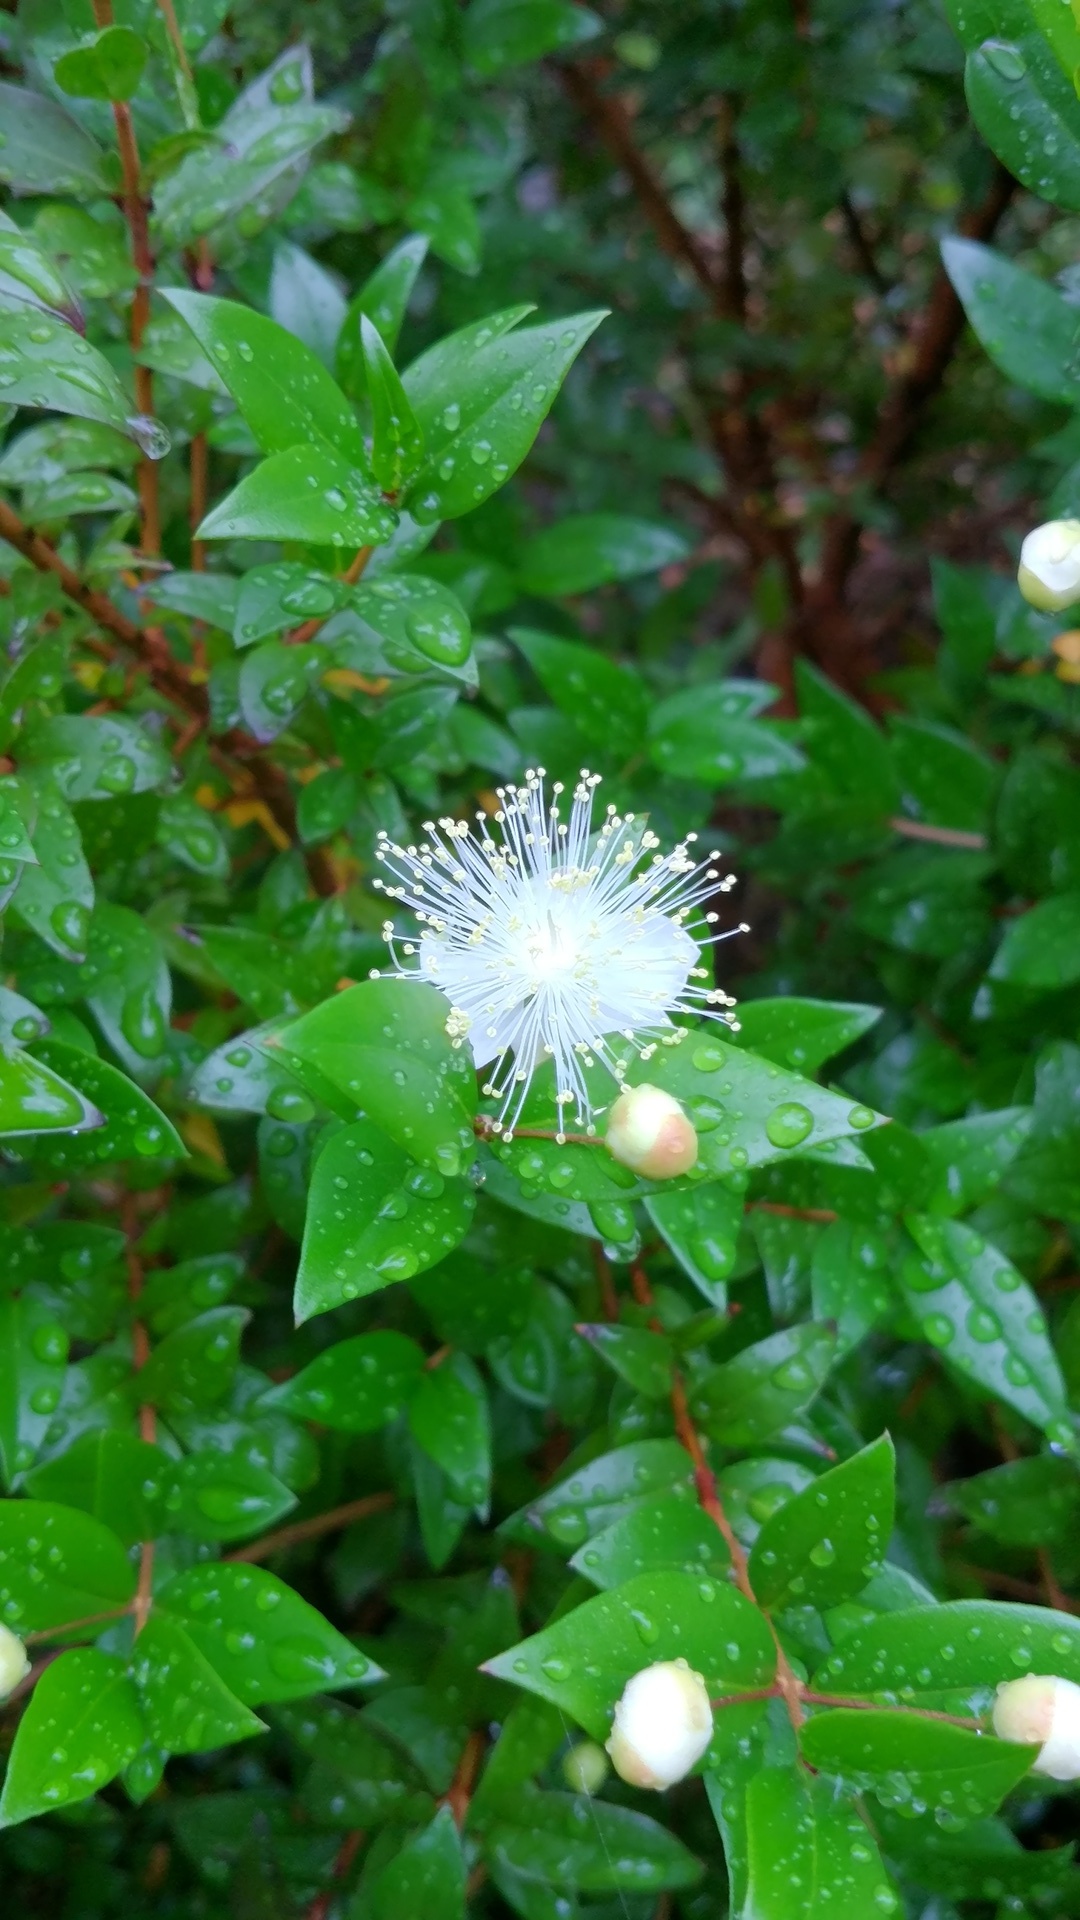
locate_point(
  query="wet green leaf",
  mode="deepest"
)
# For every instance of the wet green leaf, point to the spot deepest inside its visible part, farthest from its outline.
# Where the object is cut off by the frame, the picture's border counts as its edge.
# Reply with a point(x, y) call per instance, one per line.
point(827, 1542)
point(87, 1702)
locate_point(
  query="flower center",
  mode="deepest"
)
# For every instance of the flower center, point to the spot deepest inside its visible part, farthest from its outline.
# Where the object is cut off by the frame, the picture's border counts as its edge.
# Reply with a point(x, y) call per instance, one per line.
point(551, 949)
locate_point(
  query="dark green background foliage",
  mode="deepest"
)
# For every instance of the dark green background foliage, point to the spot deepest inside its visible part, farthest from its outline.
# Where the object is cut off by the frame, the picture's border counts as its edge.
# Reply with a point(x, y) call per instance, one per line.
point(691, 373)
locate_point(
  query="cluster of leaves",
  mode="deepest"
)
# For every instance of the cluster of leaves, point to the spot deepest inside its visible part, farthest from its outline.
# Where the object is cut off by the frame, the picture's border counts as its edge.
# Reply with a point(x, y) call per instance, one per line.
point(507, 1422)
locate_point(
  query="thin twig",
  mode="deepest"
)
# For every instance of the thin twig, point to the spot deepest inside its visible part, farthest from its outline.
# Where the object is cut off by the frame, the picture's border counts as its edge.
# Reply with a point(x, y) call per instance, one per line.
point(140, 1354)
point(72, 1626)
point(605, 1280)
point(313, 1529)
point(458, 1796)
point(301, 635)
point(860, 243)
point(939, 836)
point(343, 1860)
point(824, 1215)
point(136, 212)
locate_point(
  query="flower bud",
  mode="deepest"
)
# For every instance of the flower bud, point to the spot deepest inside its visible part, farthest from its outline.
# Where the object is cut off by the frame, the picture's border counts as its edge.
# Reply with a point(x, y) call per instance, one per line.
point(14, 1665)
point(648, 1131)
point(1041, 1710)
point(662, 1726)
point(585, 1767)
point(1049, 573)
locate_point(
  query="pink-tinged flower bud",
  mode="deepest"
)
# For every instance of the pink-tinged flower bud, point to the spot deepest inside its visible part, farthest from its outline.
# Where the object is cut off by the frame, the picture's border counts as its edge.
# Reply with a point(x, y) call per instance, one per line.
point(1049, 572)
point(662, 1726)
point(1042, 1711)
point(14, 1665)
point(648, 1131)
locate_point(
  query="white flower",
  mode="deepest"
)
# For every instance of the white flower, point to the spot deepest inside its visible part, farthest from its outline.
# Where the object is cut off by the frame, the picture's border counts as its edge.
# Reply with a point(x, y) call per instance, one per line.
point(648, 1131)
point(1044, 1711)
point(663, 1724)
point(1049, 572)
point(550, 938)
point(14, 1665)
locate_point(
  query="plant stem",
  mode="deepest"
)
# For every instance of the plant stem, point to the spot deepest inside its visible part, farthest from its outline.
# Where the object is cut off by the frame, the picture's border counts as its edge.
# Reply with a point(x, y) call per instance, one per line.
point(140, 1354)
point(313, 1529)
point(136, 212)
point(301, 635)
point(199, 473)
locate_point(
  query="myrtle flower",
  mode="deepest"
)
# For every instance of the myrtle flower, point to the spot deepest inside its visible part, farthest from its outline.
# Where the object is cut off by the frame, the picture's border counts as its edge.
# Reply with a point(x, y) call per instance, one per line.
point(555, 941)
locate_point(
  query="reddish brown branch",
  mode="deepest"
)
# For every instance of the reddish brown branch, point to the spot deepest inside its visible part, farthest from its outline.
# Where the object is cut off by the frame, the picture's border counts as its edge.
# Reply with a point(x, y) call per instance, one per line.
point(140, 1354)
point(345, 1856)
point(464, 1780)
point(313, 1529)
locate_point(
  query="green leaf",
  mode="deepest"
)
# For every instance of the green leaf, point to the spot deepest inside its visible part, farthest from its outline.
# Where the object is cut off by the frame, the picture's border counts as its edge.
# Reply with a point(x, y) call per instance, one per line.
point(378, 1784)
point(849, 1280)
point(603, 1490)
point(906, 1759)
point(355, 1386)
point(109, 67)
point(397, 445)
point(1027, 112)
point(275, 680)
point(279, 595)
point(608, 701)
point(384, 298)
point(803, 1034)
point(827, 1542)
point(1024, 1503)
point(970, 1157)
point(261, 1639)
point(213, 1496)
point(808, 1853)
point(944, 777)
point(843, 741)
point(417, 620)
point(303, 493)
point(45, 363)
point(507, 33)
point(446, 213)
point(569, 1840)
point(114, 1476)
point(134, 1128)
point(641, 1358)
point(590, 550)
point(187, 1706)
point(373, 1217)
point(96, 758)
point(427, 1876)
point(1029, 331)
point(745, 1111)
point(668, 1534)
point(385, 1044)
point(709, 734)
point(194, 1366)
point(245, 174)
point(45, 150)
point(282, 389)
point(583, 1661)
point(33, 1355)
point(59, 1565)
point(1041, 948)
point(449, 1418)
point(306, 300)
point(56, 894)
point(701, 1227)
point(953, 1648)
point(745, 1400)
point(34, 1099)
point(88, 1696)
point(479, 398)
point(973, 1305)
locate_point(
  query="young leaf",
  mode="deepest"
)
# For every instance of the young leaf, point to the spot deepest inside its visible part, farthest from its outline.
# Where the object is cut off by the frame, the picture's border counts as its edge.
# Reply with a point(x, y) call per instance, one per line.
point(384, 298)
point(397, 443)
point(306, 493)
point(479, 398)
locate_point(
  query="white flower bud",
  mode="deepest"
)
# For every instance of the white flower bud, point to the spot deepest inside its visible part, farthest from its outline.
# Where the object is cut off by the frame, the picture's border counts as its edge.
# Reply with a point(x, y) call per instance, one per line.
point(648, 1131)
point(585, 1767)
point(14, 1665)
point(1049, 573)
point(662, 1726)
point(1044, 1711)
